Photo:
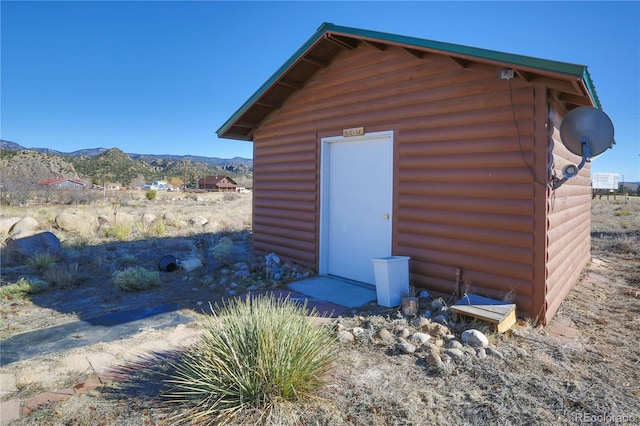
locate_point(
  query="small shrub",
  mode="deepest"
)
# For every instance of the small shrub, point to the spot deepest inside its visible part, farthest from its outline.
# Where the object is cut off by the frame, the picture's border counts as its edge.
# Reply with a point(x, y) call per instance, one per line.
point(622, 212)
point(224, 250)
point(136, 278)
point(253, 354)
point(63, 275)
point(119, 231)
point(41, 261)
point(151, 194)
point(144, 228)
point(230, 196)
point(161, 227)
point(129, 258)
point(22, 287)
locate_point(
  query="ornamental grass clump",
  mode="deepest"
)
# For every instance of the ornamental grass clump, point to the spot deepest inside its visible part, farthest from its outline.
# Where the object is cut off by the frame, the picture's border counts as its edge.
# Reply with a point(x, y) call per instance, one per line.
point(136, 278)
point(253, 354)
point(23, 287)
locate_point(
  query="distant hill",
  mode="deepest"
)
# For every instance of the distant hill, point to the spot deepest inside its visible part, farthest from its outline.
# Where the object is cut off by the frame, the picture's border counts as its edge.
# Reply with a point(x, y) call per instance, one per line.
point(147, 158)
point(114, 165)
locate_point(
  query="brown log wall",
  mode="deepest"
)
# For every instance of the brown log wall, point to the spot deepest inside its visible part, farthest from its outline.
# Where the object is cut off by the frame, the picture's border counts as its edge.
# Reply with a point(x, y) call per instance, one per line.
point(464, 191)
point(569, 221)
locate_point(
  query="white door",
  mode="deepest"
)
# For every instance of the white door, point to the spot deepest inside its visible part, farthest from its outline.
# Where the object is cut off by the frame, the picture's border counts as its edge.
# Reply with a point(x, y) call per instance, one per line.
point(356, 204)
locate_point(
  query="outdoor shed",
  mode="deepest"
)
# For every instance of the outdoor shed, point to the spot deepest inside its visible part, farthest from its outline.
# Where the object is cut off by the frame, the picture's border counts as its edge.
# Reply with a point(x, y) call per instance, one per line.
point(368, 144)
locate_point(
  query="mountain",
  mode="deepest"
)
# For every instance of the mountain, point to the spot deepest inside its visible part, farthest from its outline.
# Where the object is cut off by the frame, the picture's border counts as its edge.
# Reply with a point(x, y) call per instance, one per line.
point(101, 164)
point(147, 158)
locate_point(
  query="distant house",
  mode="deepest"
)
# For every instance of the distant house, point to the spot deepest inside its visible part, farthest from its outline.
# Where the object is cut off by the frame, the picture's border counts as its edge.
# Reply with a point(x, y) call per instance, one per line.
point(158, 185)
point(64, 183)
point(218, 183)
point(112, 186)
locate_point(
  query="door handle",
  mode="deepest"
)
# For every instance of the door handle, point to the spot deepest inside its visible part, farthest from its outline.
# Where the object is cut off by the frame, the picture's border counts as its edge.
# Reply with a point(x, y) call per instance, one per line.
point(385, 216)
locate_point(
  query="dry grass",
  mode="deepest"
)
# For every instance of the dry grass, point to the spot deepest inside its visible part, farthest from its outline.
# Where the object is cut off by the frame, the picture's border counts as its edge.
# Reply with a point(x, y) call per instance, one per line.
point(543, 378)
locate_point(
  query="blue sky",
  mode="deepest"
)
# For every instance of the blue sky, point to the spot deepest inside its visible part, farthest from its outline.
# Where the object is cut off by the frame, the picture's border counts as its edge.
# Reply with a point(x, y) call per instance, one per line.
point(161, 77)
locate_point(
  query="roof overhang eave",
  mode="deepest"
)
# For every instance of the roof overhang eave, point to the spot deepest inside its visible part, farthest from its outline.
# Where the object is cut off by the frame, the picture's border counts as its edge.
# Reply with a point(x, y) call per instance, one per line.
point(578, 74)
point(221, 132)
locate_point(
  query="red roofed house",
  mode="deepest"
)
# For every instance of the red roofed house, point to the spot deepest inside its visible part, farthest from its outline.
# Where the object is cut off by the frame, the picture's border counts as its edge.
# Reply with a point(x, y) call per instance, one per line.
point(64, 183)
point(218, 183)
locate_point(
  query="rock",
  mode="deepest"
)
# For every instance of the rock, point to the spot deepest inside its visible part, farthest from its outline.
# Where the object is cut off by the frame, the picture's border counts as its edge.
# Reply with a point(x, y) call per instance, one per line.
point(404, 332)
point(81, 223)
point(124, 218)
point(454, 344)
point(358, 332)
point(420, 322)
point(473, 337)
point(435, 329)
point(27, 224)
point(170, 218)
point(433, 360)
point(148, 218)
point(431, 348)
point(481, 353)
point(442, 319)
point(385, 335)
point(241, 265)
point(6, 223)
point(25, 245)
point(521, 352)
point(420, 338)
point(198, 221)
point(345, 337)
point(191, 263)
point(454, 353)
point(494, 352)
point(437, 304)
point(406, 347)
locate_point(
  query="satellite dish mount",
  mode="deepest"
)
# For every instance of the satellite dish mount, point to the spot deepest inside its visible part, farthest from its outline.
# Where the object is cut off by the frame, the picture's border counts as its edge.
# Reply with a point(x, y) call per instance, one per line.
point(587, 132)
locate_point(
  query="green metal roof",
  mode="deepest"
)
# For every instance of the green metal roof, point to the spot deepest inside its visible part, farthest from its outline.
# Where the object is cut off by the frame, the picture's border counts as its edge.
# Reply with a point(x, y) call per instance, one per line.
point(555, 69)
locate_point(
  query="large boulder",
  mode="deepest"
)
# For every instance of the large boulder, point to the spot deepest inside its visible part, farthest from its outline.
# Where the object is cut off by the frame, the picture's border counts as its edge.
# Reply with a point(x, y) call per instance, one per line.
point(26, 224)
point(6, 223)
point(27, 244)
point(74, 222)
point(148, 218)
point(124, 219)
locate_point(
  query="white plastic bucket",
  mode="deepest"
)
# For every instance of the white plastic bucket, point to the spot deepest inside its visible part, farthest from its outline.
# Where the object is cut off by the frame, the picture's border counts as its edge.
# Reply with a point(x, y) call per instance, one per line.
point(392, 279)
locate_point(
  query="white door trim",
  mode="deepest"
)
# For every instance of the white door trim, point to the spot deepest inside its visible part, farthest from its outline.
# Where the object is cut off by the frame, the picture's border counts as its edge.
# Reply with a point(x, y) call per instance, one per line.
point(325, 146)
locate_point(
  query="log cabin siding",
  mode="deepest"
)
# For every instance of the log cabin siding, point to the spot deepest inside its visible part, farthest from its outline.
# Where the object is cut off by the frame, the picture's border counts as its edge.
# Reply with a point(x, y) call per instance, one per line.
point(463, 192)
point(568, 219)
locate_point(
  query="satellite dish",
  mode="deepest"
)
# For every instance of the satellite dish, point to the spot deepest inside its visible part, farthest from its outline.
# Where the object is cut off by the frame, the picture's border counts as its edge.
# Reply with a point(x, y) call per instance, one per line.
point(587, 132)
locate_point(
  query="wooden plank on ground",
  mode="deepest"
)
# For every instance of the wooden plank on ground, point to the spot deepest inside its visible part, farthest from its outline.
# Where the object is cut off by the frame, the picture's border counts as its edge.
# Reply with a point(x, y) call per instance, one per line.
point(502, 314)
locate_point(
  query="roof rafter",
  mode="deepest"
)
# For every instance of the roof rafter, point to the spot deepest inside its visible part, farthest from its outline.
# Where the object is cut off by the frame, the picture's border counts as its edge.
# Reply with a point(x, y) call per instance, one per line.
point(377, 45)
point(415, 52)
point(464, 63)
point(290, 83)
point(346, 42)
point(269, 104)
point(315, 61)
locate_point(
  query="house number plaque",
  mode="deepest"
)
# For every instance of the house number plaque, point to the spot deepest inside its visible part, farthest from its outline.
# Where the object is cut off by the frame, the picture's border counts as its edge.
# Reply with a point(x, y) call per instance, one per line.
point(354, 131)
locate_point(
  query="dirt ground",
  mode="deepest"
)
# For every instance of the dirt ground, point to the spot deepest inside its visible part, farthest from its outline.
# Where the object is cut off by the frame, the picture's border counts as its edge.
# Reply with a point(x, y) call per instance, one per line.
point(582, 368)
